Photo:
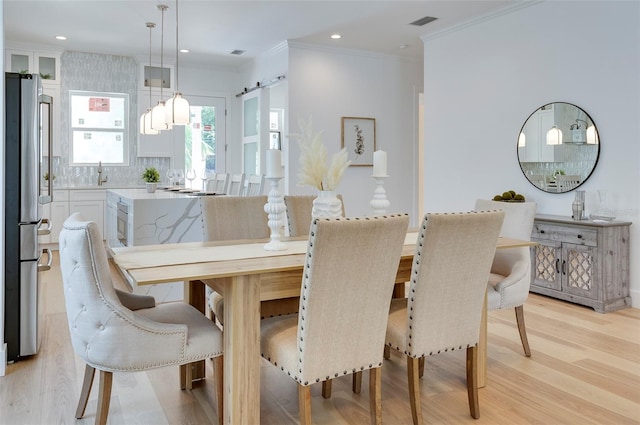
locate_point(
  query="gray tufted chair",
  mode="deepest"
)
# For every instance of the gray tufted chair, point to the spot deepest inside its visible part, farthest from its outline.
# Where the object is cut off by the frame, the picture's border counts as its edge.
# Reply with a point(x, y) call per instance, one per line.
point(510, 276)
point(114, 331)
point(349, 275)
point(447, 290)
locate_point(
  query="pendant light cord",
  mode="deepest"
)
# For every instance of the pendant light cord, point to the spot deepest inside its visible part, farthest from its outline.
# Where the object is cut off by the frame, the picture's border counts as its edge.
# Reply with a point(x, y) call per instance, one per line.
point(162, 7)
point(151, 26)
point(177, 51)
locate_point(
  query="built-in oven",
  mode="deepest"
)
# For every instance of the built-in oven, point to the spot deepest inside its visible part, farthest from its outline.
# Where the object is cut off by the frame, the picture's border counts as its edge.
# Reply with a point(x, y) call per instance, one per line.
point(123, 223)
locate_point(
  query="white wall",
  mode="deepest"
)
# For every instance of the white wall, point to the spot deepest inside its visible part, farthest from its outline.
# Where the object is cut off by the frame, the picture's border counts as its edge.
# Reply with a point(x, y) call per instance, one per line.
point(329, 84)
point(482, 81)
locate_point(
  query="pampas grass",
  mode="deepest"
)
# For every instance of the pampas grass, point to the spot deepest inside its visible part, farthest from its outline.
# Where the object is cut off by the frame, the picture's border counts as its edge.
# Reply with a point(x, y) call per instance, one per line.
point(314, 171)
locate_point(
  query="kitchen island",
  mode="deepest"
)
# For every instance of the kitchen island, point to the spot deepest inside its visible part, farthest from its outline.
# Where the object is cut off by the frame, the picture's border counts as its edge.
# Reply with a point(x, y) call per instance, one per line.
point(135, 217)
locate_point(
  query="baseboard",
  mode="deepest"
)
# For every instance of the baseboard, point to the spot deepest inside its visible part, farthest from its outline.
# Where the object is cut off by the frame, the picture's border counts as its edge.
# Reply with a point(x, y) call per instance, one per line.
point(3, 359)
point(635, 298)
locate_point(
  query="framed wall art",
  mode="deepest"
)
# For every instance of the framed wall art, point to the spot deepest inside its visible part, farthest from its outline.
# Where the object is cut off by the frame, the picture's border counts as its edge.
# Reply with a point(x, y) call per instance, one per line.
point(359, 138)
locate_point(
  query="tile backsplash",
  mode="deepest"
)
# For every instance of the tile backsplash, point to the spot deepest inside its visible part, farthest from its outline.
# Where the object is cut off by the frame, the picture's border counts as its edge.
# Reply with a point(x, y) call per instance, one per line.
point(107, 73)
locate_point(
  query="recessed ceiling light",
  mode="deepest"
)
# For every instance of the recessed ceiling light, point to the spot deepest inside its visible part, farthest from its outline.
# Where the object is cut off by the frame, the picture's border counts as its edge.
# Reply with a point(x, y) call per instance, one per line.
point(61, 37)
point(403, 46)
point(184, 50)
point(336, 36)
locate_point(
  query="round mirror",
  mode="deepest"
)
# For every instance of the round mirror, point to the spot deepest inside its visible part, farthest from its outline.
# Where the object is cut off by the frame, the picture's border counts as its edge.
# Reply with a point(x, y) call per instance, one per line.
point(558, 147)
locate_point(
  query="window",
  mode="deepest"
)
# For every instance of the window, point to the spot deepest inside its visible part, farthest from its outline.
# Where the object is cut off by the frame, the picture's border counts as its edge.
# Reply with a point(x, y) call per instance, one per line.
point(99, 128)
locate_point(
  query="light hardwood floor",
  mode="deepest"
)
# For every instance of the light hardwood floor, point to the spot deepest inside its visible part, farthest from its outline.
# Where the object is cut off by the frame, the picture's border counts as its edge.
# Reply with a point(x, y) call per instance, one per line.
point(584, 369)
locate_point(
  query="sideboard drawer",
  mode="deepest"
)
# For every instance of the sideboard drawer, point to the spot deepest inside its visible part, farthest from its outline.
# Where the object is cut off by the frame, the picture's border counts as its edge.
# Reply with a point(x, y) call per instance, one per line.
point(574, 235)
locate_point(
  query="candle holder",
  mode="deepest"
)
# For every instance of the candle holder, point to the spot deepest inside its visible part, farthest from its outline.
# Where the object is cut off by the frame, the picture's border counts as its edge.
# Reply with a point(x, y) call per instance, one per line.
point(379, 203)
point(275, 209)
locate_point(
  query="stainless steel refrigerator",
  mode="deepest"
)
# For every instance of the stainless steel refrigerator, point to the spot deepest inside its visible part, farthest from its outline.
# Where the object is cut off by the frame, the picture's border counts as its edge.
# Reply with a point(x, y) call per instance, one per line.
point(27, 129)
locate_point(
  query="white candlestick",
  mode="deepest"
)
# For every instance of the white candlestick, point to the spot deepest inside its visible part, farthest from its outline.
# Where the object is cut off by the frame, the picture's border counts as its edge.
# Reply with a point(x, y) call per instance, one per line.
point(379, 163)
point(379, 203)
point(274, 163)
point(275, 209)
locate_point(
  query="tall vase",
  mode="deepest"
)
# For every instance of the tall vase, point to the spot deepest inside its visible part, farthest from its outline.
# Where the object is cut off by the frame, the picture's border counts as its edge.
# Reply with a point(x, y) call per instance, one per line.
point(326, 205)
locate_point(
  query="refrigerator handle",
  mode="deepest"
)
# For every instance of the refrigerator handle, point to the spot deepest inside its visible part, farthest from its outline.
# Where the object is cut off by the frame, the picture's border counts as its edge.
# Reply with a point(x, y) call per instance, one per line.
point(47, 230)
point(45, 267)
point(48, 101)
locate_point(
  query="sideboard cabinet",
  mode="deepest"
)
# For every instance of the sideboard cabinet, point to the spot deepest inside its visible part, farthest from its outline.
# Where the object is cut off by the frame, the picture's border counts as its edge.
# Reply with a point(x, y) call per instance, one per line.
point(581, 261)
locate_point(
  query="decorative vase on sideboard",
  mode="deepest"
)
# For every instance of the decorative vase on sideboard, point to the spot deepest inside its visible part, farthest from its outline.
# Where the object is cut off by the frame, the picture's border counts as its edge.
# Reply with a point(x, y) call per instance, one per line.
point(326, 205)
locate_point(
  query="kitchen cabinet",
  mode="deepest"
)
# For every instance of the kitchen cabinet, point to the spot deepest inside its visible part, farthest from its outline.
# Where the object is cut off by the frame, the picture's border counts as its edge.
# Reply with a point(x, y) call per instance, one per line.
point(581, 261)
point(47, 64)
point(90, 203)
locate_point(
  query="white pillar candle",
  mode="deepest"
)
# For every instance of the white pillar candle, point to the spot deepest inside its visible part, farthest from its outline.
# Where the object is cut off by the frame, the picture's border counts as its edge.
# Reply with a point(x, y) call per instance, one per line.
point(274, 163)
point(380, 163)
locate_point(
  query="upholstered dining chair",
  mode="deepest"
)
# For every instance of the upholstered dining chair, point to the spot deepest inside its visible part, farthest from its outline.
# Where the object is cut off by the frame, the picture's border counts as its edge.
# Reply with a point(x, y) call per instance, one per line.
point(236, 184)
point(114, 331)
point(227, 218)
point(444, 306)
point(511, 270)
point(298, 210)
point(350, 270)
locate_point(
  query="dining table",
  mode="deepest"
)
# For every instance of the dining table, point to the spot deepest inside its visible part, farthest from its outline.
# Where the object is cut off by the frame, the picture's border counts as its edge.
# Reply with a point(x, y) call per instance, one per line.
point(245, 273)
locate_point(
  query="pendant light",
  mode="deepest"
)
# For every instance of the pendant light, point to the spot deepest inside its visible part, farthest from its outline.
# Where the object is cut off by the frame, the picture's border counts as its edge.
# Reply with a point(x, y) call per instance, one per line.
point(157, 113)
point(177, 107)
point(145, 119)
point(554, 136)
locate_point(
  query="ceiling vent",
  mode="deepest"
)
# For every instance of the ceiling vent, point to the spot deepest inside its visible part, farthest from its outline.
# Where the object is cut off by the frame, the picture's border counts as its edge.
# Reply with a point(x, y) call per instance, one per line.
point(423, 21)
point(237, 52)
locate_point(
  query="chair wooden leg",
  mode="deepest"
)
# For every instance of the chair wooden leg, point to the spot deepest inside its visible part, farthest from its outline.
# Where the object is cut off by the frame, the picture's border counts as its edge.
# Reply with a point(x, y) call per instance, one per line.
point(387, 352)
point(304, 404)
point(326, 388)
point(104, 397)
point(472, 382)
point(523, 331)
point(183, 376)
point(87, 382)
point(414, 390)
point(421, 367)
point(218, 372)
point(375, 395)
point(356, 384)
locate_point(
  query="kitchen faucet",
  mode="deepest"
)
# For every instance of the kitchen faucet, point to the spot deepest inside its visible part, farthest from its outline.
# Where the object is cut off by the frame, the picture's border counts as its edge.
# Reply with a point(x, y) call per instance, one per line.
point(100, 179)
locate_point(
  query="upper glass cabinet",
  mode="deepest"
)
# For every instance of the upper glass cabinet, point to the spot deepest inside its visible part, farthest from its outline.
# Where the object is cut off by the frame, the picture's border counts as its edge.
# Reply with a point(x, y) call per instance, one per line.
point(47, 65)
point(558, 147)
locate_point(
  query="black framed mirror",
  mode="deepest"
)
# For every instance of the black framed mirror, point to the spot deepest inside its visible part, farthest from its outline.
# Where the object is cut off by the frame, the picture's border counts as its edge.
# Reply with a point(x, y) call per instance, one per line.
point(558, 147)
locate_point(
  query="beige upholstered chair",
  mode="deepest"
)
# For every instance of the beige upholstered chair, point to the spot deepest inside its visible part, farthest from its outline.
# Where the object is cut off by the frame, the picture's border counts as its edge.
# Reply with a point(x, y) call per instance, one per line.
point(443, 310)
point(235, 218)
point(255, 183)
point(236, 185)
point(351, 265)
point(115, 331)
point(298, 209)
point(511, 270)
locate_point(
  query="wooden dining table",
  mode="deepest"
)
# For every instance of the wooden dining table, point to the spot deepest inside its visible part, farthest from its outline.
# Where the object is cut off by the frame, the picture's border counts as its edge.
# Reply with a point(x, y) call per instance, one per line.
point(245, 273)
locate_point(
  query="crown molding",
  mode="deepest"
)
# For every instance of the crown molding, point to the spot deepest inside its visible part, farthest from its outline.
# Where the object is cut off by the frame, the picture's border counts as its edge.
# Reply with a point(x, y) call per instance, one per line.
point(351, 52)
point(483, 18)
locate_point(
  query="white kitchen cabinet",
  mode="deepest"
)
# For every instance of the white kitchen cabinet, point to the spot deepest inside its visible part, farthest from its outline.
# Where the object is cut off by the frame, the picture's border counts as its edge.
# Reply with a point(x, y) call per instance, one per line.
point(47, 64)
point(90, 203)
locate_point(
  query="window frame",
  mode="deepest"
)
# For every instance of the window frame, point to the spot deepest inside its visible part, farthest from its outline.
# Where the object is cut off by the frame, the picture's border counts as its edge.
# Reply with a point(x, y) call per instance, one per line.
point(125, 129)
